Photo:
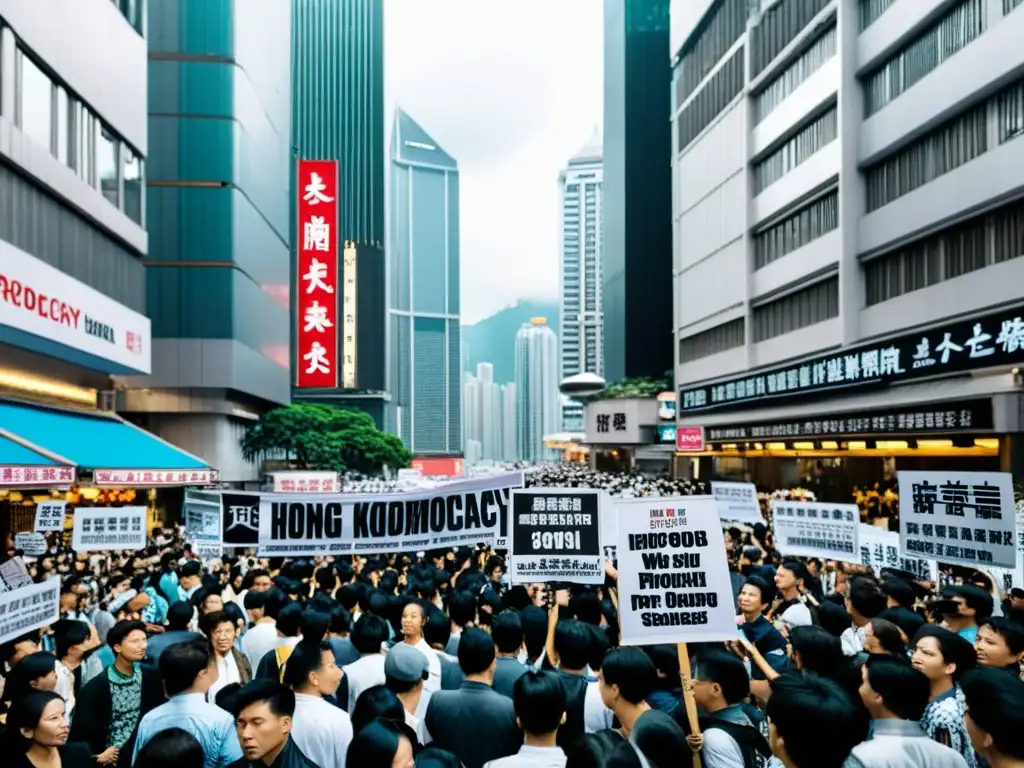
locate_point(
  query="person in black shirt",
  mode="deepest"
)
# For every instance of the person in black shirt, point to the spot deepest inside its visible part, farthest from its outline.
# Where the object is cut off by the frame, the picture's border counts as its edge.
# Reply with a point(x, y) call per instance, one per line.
point(263, 719)
point(38, 723)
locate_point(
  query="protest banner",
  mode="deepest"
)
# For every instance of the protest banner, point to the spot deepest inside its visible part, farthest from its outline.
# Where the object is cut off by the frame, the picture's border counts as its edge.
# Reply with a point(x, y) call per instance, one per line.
point(965, 518)
point(50, 516)
point(737, 501)
point(30, 607)
point(451, 515)
point(13, 574)
point(816, 529)
point(102, 528)
point(240, 519)
point(880, 549)
point(556, 536)
point(202, 523)
point(32, 543)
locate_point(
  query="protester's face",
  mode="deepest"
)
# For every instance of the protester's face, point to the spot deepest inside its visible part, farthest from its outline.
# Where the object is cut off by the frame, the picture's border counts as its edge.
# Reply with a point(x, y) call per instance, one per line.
point(785, 579)
point(993, 650)
point(133, 647)
point(260, 731)
point(412, 620)
point(52, 728)
point(928, 660)
point(403, 755)
point(609, 693)
point(868, 695)
point(261, 584)
point(47, 682)
point(223, 638)
point(871, 644)
point(750, 600)
point(213, 603)
point(329, 674)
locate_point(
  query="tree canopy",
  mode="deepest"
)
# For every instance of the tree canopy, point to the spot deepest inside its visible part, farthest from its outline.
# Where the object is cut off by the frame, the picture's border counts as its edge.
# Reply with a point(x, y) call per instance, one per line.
point(324, 437)
point(631, 388)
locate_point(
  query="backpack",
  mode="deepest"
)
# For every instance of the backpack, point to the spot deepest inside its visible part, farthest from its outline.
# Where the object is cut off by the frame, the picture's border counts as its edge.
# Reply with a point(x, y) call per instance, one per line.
point(281, 656)
point(753, 746)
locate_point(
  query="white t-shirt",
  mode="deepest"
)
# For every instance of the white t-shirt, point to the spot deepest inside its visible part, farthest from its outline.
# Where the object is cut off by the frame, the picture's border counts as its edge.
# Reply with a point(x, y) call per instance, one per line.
point(720, 750)
point(596, 716)
point(362, 674)
point(321, 730)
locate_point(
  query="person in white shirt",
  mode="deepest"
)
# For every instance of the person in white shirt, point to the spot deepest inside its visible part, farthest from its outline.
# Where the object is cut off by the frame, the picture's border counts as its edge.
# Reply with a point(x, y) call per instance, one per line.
point(262, 608)
point(74, 639)
point(368, 635)
point(791, 612)
point(540, 703)
point(232, 665)
point(320, 730)
point(414, 619)
point(405, 671)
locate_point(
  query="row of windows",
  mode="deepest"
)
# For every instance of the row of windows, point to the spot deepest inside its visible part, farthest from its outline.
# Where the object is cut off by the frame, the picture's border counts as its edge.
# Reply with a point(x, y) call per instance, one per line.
point(778, 27)
point(814, 304)
point(971, 245)
point(728, 20)
point(871, 10)
point(924, 54)
point(779, 89)
point(1009, 5)
point(134, 12)
point(55, 119)
point(796, 230)
point(822, 131)
point(724, 86)
point(712, 341)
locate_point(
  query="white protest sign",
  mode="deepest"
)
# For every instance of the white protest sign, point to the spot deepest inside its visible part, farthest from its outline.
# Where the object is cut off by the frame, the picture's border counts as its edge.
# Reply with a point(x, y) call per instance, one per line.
point(556, 536)
point(103, 528)
point(737, 501)
point(202, 524)
point(32, 543)
point(30, 607)
point(817, 529)
point(13, 574)
point(306, 482)
point(966, 518)
point(50, 515)
point(674, 584)
point(880, 549)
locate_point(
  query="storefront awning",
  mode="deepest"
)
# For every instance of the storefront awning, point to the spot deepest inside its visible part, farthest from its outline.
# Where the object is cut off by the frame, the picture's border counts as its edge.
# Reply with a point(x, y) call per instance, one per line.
point(115, 451)
point(23, 466)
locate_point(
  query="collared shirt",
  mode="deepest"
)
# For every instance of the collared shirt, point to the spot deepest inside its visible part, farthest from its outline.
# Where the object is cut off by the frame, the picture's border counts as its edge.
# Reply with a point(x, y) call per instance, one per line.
point(363, 674)
point(227, 673)
point(433, 681)
point(213, 728)
point(66, 687)
point(902, 744)
point(321, 730)
point(259, 641)
point(506, 671)
point(596, 716)
point(531, 757)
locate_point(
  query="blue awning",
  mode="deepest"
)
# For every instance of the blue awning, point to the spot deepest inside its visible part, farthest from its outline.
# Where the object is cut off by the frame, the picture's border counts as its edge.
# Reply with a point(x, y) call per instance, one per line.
point(115, 451)
point(16, 454)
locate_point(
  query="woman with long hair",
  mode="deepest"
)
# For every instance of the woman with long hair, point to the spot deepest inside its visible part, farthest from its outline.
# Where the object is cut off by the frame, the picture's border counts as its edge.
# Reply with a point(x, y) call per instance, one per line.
point(38, 725)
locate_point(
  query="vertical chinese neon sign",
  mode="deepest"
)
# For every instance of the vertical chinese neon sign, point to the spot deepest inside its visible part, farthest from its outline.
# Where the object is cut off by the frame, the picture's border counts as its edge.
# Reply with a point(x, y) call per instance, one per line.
point(317, 271)
point(348, 324)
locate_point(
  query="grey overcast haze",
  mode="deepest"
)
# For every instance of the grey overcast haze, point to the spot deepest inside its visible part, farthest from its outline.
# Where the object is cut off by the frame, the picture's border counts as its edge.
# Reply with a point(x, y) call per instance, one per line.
point(511, 89)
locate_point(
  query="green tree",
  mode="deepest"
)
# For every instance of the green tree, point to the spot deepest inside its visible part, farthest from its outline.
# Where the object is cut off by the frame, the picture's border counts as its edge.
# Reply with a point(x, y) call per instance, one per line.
point(323, 437)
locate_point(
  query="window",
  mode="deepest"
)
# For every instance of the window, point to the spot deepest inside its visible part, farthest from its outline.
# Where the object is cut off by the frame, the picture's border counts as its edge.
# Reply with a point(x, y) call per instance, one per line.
point(779, 89)
point(712, 341)
point(132, 184)
point(805, 307)
point(779, 26)
point(106, 163)
point(726, 23)
point(1010, 111)
point(971, 245)
point(933, 155)
point(924, 54)
point(796, 230)
point(35, 102)
point(871, 10)
point(64, 128)
point(724, 86)
point(796, 150)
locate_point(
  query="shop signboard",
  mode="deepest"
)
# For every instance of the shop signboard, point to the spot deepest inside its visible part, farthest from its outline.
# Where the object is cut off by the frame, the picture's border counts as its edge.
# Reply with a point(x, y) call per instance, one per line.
point(51, 306)
point(306, 482)
point(317, 271)
point(36, 477)
point(689, 439)
point(162, 478)
point(985, 341)
point(619, 421)
point(556, 536)
point(816, 529)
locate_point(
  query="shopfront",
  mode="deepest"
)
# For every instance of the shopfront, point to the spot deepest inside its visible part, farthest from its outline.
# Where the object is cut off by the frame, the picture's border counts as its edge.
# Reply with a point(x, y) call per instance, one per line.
point(630, 434)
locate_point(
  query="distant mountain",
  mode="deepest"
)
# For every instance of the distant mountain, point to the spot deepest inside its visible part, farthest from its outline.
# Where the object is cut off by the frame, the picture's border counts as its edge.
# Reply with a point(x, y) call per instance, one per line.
point(493, 339)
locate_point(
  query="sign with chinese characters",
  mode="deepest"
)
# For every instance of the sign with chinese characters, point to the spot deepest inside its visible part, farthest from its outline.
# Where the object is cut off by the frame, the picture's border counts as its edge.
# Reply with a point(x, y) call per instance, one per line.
point(556, 536)
point(982, 342)
point(103, 528)
point(817, 529)
point(317, 270)
point(674, 582)
point(36, 477)
point(50, 515)
point(689, 439)
point(28, 608)
point(966, 518)
point(13, 572)
point(880, 548)
point(622, 421)
point(306, 482)
point(240, 519)
point(348, 320)
point(156, 478)
point(667, 433)
point(937, 418)
point(202, 523)
point(31, 543)
point(737, 501)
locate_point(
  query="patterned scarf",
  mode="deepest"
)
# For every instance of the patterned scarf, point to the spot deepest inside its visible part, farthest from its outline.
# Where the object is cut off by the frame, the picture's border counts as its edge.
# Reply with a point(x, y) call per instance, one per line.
point(126, 701)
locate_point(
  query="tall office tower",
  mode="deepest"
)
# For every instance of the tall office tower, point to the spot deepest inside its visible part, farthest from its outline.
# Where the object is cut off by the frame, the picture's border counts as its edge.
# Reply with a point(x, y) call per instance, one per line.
point(581, 320)
point(217, 206)
point(471, 408)
point(637, 293)
point(509, 422)
point(490, 412)
point(338, 114)
point(860, 162)
point(423, 310)
point(539, 402)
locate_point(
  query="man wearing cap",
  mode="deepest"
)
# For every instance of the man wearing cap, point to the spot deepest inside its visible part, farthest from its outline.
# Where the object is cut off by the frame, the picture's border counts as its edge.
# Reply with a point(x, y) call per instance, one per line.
point(405, 670)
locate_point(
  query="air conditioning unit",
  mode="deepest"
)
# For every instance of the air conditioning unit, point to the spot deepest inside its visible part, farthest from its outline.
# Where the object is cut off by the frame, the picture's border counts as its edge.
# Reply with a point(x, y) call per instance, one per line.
point(106, 400)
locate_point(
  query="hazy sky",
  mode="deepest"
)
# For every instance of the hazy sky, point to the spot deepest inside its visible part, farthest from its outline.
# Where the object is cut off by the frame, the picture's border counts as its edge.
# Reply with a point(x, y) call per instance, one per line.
point(511, 89)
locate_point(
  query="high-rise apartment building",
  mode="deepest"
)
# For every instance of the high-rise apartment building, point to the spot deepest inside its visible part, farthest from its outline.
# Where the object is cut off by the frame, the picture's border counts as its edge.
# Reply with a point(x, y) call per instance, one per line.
point(338, 114)
point(217, 204)
point(848, 217)
point(509, 423)
point(538, 405)
point(423, 277)
point(637, 214)
point(581, 319)
point(482, 413)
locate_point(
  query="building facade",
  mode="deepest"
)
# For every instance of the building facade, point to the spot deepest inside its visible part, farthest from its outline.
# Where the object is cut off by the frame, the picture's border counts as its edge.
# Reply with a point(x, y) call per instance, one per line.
point(423, 277)
point(482, 404)
point(338, 114)
point(538, 402)
point(509, 423)
point(636, 299)
point(582, 239)
point(847, 226)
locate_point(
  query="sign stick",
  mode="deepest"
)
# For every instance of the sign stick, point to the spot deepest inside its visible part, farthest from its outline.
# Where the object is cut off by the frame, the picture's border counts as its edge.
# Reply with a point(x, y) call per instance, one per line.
point(691, 704)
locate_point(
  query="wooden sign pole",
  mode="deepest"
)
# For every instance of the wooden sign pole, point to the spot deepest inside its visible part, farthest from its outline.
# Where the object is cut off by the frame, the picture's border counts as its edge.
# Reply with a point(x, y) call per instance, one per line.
point(688, 700)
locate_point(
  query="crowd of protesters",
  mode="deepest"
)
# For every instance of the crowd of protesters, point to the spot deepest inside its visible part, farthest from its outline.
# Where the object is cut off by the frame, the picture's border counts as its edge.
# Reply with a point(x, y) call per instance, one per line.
point(432, 660)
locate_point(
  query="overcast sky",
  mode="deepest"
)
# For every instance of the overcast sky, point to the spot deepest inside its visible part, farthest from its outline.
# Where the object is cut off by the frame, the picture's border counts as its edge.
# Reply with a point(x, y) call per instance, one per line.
point(511, 89)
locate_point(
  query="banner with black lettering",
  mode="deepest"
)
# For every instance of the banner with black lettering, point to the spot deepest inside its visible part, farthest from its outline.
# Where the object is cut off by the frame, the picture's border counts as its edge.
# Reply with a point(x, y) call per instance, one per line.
point(240, 519)
point(556, 536)
point(202, 512)
point(29, 607)
point(451, 515)
point(674, 584)
point(102, 528)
